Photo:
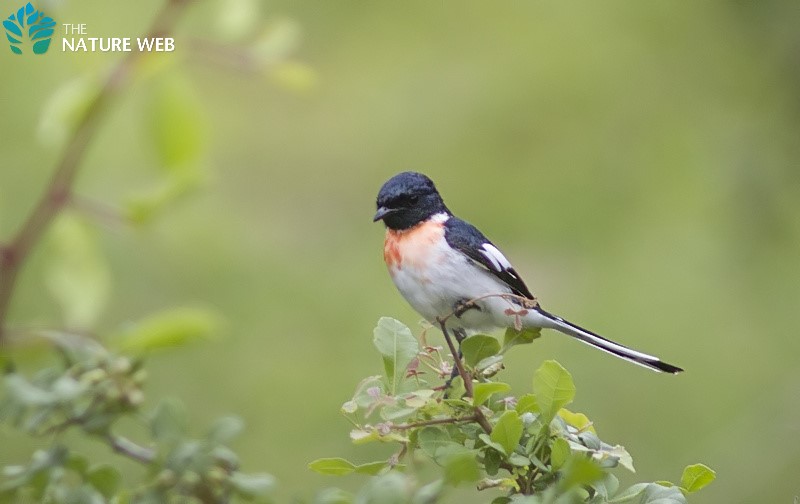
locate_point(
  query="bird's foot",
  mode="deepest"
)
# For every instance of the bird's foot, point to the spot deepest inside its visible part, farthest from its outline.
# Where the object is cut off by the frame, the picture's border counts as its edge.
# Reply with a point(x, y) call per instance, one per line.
point(463, 306)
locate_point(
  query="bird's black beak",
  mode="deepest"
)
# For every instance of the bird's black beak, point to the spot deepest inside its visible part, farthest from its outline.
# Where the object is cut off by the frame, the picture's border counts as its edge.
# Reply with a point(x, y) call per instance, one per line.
point(381, 213)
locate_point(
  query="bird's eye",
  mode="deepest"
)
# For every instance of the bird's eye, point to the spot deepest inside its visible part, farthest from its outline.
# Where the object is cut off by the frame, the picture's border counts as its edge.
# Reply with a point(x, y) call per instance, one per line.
point(413, 198)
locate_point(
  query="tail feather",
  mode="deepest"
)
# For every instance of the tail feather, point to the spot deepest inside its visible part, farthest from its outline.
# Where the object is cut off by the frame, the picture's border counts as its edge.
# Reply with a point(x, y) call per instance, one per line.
point(606, 345)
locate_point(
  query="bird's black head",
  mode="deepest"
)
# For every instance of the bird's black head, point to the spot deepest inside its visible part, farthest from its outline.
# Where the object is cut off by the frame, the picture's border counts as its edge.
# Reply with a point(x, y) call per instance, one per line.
point(407, 199)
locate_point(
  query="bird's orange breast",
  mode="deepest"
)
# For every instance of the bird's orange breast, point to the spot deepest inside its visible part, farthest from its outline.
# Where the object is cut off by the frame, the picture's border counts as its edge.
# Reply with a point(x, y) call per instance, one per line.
point(412, 247)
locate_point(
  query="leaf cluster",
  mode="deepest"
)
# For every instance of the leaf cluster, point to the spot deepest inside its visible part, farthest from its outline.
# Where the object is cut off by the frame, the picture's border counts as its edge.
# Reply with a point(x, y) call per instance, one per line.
point(93, 390)
point(526, 447)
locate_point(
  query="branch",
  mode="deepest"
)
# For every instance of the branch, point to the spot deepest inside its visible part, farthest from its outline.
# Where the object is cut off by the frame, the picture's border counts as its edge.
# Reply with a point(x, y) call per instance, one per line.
point(125, 446)
point(435, 421)
point(59, 190)
point(479, 416)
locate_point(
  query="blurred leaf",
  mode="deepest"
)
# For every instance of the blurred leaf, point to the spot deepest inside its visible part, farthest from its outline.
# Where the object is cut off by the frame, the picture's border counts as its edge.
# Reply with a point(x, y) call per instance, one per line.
point(177, 123)
point(77, 463)
point(143, 207)
point(64, 109)
point(579, 471)
point(553, 388)
point(390, 488)
point(513, 337)
point(77, 275)
point(169, 328)
point(253, 485)
point(168, 421)
point(294, 76)
point(507, 431)
point(478, 347)
point(237, 18)
point(225, 429)
point(332, 496)
point(279, 38)
point(429, 493)
point(697, 476)
point(461, 467)
point(398, 347)
point(105, 479)
point(649, 493)
point(26, 392)
point(484, 390)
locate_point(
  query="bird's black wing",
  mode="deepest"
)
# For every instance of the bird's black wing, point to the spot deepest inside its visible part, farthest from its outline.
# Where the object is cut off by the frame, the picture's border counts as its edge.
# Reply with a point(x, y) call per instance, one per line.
point(466, 238)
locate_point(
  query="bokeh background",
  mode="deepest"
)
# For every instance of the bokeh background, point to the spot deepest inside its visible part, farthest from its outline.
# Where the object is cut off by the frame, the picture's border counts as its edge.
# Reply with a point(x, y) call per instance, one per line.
point(639, 162)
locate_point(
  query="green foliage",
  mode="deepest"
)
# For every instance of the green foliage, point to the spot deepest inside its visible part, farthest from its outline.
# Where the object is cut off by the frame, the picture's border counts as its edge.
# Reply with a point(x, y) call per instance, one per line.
point(92, 391)
point(78, 276)
point(523, 448)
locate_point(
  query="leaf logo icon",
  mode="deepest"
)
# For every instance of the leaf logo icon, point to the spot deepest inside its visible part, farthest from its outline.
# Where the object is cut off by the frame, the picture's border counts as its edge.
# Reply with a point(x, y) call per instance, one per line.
point(29, 26)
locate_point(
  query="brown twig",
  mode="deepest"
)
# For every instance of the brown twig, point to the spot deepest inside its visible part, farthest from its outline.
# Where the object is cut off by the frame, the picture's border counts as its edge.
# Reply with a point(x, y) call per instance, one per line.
point(58, 191)
point(479, 416)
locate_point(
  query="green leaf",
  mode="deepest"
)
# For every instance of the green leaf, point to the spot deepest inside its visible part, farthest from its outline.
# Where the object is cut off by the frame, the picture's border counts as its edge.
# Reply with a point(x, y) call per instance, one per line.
point(279, 38)
point(225, 429)
point(461, 467)
point(579, 471)
point(697, 476)
point(168, 421)
point(294, 76)
point(553, 388)
point(332, 496)
point(483, 391)
point(489, 442)
point(559, 453)
point(513, 337)
point(169, 328)
point(371, 468)
point(397, 346)
point(622, 456)
point(507, 431)
point(143, 207)
point(77, 275)
point(478, 347)
point(437, 443)
point(332, 466)
point(26, 392)
point(105, 479)
point(649, 493)
point(252, 485)
point(390, 488)
point(63, 109)
point(237, 19)
point(429, 493)
point(577, 420)
point(177, 124)
point(527, 404)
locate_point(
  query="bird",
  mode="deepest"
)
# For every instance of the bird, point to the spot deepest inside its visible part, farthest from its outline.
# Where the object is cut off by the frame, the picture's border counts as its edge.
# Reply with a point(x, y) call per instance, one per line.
point(450, 273)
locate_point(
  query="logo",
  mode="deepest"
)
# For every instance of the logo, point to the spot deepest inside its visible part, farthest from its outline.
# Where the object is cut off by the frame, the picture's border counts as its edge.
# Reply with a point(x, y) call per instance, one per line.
point(29, 29)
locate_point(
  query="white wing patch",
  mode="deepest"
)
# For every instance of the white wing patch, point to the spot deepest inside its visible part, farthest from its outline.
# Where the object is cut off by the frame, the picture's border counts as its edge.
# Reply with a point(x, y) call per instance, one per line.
point(498, 260)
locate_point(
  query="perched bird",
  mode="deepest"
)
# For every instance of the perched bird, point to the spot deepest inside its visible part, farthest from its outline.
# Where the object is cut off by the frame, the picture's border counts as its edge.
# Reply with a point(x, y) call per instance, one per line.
point(443, 265)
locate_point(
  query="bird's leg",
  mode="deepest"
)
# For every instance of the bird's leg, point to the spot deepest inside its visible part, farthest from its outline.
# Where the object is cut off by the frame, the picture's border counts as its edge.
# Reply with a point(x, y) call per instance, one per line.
point(462, 306)
point(460, 335)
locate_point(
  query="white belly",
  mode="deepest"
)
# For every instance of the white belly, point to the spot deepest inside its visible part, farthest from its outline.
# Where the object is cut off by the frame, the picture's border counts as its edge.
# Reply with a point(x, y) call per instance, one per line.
point(447, 279)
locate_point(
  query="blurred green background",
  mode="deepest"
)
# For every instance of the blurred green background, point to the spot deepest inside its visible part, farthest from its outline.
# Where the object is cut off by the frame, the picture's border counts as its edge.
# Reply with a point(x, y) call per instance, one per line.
point(639, 162)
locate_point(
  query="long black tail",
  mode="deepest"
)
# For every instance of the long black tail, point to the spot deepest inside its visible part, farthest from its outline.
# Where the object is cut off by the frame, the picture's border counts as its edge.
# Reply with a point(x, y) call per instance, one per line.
point(606, 345)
